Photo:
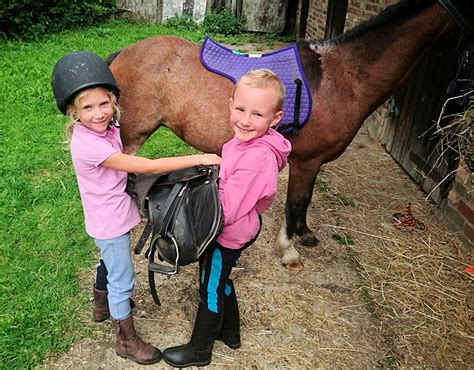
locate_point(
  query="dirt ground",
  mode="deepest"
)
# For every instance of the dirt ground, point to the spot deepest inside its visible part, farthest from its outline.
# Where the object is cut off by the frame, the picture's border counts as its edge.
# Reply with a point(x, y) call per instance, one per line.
point(333, 314)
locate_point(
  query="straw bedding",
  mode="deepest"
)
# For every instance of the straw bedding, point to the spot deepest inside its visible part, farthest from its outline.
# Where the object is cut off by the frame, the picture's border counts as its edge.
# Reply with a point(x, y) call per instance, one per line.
point(369, 296)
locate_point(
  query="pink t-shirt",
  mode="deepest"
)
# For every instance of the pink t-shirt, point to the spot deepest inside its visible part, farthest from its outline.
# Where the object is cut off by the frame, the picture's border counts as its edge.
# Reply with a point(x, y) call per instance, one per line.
point(109, 211)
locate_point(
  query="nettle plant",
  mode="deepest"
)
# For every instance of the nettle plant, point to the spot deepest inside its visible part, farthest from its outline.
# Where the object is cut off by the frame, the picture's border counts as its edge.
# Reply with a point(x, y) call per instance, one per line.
point(223, 22)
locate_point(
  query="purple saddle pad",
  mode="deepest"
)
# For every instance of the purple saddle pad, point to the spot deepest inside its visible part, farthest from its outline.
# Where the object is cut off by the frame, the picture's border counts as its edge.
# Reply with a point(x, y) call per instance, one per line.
point(285, 63)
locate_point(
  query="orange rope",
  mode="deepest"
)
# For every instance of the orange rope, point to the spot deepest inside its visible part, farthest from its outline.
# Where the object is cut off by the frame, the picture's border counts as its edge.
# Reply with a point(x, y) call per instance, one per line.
point(405, 221)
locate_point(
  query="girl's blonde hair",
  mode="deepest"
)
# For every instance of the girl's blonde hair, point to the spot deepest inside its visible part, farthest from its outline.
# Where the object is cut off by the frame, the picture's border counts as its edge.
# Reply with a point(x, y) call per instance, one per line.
point(73, 107)
point(262, 79)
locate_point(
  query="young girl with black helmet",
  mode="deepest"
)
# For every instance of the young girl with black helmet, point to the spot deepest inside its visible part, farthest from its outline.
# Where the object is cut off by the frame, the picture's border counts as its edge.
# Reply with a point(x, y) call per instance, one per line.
point(86, 91)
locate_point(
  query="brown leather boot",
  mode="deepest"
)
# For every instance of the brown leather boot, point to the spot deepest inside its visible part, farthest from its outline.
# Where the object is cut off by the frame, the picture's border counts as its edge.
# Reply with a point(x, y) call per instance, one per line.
point(101, 309)
point(130, 346)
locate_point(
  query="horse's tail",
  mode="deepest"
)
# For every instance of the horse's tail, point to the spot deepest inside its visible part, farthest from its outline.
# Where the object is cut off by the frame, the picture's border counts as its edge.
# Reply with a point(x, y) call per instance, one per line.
point(112, 57)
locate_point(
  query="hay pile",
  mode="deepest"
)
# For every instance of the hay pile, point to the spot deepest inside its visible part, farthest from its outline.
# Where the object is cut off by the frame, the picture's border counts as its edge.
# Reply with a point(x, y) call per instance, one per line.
point(422, 296)
point(415, 282)
point(457, 134)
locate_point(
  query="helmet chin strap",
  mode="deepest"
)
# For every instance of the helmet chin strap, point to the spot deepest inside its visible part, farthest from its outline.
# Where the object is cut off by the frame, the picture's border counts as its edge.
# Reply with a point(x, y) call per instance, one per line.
point(114, 122)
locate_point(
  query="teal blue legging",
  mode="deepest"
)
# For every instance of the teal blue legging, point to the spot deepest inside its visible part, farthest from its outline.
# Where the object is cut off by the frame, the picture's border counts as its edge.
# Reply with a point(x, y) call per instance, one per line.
point(215, 266)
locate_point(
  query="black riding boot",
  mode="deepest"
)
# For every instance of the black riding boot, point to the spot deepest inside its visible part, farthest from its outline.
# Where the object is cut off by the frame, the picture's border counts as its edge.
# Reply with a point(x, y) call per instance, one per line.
point(198, 351)
point(230, 332)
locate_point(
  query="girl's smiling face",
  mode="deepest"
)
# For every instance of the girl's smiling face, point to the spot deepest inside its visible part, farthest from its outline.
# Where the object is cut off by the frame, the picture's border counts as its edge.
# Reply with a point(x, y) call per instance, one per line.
point(95, 109)
point(253, 111)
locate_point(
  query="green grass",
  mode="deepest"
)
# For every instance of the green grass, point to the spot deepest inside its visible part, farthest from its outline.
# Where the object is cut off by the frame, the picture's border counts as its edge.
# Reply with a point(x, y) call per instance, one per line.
point(343, 239)
point(44, 248)
point(347, 202)
point(321, 182)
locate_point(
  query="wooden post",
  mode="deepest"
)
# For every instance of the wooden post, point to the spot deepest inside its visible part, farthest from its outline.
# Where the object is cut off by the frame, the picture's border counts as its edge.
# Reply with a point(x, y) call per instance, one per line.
point(303, 19)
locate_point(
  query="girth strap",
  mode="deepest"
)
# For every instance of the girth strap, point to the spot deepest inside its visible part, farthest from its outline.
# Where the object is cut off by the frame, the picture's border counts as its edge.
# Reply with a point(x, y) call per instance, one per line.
point(296, 122)
point(143, 238)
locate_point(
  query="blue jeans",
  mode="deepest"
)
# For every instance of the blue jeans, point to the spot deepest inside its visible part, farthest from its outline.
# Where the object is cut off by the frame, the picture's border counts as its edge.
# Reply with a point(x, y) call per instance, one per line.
point(117, 258)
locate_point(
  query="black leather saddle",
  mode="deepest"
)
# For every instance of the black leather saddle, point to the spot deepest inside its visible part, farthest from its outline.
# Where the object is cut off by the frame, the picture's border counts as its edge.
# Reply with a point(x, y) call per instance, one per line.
point(184, 216)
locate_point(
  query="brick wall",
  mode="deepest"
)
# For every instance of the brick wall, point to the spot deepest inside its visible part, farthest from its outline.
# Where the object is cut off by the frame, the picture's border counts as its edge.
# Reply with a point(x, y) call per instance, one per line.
point(357, 11)
point(316, 22)
point(459, 208)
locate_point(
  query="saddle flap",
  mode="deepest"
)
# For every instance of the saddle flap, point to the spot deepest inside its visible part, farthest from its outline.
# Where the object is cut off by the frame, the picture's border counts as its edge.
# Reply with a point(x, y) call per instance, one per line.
point(184, 215)
point(184, 211)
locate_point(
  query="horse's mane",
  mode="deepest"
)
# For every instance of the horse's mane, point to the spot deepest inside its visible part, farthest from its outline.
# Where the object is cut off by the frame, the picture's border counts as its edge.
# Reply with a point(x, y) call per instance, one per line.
point(392, 13)
point(112, 57)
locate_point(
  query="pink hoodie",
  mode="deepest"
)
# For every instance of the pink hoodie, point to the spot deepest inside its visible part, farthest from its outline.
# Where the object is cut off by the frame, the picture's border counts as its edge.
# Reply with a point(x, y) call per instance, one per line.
point(248, 181)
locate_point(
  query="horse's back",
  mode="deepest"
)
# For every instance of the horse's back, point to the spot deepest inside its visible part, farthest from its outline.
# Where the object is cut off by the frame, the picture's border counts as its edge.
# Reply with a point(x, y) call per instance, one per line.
point(165, 75)
point(152, 57)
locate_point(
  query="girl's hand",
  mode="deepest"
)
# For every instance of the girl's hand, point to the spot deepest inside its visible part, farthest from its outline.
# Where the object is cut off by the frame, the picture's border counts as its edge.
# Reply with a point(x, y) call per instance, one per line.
point(208, 159)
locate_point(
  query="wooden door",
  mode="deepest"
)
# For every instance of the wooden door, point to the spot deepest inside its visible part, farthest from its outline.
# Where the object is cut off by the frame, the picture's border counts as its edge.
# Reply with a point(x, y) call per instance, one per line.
point(413, 110)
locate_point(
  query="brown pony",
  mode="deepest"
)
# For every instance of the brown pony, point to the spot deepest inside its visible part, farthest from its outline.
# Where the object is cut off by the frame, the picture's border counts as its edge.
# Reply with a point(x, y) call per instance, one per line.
point(163, 82)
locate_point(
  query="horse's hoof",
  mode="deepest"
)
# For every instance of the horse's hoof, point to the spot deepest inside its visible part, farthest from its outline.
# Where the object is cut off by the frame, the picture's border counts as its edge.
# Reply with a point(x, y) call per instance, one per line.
point(294, 266)
point(308, 240)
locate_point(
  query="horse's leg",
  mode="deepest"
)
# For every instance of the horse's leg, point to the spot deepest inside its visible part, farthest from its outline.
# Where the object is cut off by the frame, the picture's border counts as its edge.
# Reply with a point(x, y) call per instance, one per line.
point(285, 248)
point(297, 209)
point(300, 190)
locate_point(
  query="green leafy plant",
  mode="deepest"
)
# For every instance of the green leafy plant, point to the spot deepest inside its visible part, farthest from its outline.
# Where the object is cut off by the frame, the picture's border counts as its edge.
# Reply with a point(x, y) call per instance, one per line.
point(347, 202)
point(223, 23)
point(321, 183)
point(30, 19)
point(270, 39)
point(183, 23)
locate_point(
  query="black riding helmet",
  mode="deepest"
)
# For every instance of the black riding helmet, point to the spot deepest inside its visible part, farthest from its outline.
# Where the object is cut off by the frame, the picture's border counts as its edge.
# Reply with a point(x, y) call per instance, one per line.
point(77, 71)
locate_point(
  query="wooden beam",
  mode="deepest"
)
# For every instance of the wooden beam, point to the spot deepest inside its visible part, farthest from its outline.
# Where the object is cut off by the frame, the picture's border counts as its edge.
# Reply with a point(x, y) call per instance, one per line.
point(303, 18)
point(336, 18)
